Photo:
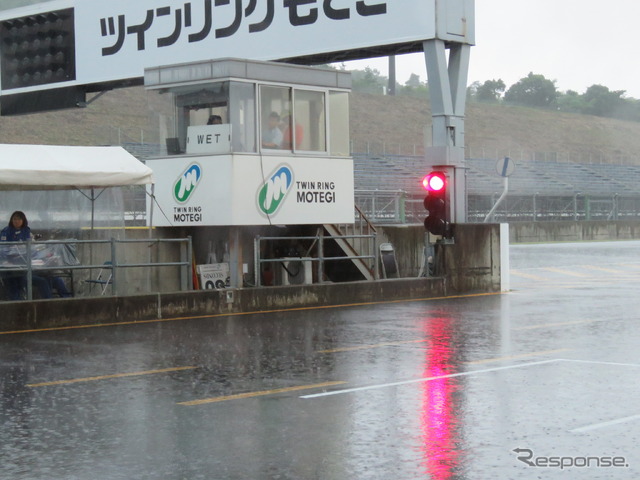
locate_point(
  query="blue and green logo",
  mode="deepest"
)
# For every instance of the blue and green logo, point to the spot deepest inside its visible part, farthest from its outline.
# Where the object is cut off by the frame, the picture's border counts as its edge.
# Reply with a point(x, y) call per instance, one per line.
point(187, 182)
point(273, 192)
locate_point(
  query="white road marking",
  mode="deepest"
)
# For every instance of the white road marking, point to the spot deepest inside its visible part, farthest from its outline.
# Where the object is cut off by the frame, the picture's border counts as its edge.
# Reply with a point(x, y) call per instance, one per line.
point(596, 362)
point(596, 426)
point(427, 379)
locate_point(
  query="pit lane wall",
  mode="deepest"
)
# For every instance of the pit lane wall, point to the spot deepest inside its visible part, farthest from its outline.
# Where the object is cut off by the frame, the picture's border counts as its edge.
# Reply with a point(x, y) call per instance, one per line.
point(574, 231)
point(471, 265)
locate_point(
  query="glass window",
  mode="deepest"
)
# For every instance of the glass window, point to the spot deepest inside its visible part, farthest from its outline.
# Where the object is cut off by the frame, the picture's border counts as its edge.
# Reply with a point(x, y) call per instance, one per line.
point(309, 133)
point(162, 122)
point(243, 117)
point(198, 105)
point(275, 111)
point(208, 104)
point(339, 123)
point(231, 104)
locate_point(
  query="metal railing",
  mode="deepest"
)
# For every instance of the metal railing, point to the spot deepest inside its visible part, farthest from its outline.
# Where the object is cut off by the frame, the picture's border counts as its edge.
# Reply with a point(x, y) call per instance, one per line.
point(382, 205)
point(317, 242)
point(185, 265)
point(363, 230)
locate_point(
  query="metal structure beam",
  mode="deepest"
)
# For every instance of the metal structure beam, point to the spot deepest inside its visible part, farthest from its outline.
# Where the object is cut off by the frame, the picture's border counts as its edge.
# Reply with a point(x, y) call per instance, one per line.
point(447, 89)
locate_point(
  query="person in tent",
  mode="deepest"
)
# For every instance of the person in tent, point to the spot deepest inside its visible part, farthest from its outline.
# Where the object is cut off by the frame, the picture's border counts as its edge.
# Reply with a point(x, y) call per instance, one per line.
point(18, 230)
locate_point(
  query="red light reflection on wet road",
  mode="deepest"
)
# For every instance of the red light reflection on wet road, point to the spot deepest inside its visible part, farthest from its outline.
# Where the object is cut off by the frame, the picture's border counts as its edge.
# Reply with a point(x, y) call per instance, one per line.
point(439, 421)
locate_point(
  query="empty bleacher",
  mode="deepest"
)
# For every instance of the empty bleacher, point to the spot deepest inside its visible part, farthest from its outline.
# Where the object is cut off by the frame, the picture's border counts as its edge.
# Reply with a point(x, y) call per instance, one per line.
point(529, 178)
point(537, 189)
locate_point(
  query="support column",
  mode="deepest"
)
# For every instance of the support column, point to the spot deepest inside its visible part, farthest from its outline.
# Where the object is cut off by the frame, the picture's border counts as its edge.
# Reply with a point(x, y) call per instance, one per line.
point(235, 258)
point(391, 89)
point(448, 94)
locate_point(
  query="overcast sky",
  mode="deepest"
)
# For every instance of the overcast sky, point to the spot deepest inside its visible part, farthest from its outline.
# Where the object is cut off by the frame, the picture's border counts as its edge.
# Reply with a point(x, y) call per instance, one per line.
point(578, 43)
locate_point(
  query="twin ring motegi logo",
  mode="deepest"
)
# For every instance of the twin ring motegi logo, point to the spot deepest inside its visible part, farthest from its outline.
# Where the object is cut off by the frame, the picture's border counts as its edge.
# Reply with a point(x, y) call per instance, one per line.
point(187, 182)
point(274, 190)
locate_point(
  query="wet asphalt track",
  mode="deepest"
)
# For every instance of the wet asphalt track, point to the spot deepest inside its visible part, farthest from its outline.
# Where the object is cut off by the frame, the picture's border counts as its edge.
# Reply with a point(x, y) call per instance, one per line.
point(541, 382)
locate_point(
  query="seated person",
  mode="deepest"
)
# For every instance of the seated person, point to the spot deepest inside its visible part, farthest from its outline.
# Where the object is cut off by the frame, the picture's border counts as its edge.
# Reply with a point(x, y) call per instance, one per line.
point(272, 135)
point(18, 231)
point(57, 284)
point(287, 134)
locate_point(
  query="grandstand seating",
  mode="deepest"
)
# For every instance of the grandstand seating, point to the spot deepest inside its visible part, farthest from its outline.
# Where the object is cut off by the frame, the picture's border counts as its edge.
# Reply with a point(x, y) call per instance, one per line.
point(545, 178)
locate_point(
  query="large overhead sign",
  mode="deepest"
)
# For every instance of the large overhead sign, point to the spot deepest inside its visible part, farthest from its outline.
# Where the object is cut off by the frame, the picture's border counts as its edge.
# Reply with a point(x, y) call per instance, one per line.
point(97, 43)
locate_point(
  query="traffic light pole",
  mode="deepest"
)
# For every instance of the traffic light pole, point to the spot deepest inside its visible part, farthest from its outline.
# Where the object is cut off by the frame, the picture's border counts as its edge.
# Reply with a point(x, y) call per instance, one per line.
point(448, 93)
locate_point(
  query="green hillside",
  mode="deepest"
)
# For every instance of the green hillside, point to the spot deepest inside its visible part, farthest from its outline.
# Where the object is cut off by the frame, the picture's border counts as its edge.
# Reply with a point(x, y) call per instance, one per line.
point(380, 123)
point(493, 131)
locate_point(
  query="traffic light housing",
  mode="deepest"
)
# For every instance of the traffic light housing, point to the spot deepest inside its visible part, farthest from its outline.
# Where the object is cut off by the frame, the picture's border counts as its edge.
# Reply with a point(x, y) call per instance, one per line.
point(437, 222)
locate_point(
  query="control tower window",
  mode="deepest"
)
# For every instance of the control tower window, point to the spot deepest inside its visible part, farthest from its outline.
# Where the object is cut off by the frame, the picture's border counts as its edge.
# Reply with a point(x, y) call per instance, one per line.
point(301, 128)
point(339, 123)
point(200, 105)
point(242, 117)
point(275, 113)
point(310, 121)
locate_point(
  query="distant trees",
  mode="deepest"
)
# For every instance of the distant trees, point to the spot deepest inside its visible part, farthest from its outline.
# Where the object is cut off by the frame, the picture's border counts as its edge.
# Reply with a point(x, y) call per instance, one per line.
point(534, 90)
point(571, 102)
point(368, 80)
point(601, 101)
point(540, 92)
point(490, 91)
point(413, 87)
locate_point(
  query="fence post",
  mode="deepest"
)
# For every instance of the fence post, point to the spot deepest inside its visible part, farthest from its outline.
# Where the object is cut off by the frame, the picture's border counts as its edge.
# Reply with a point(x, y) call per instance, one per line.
point(189, 266)
point(256, 260)
point(114, 265)
point(321, 256)
point(29, 272)
point(373, 206)
point(376, 266)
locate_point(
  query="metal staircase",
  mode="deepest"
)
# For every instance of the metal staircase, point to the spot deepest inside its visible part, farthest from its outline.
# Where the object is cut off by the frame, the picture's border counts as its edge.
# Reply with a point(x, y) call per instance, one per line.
point(359, 241)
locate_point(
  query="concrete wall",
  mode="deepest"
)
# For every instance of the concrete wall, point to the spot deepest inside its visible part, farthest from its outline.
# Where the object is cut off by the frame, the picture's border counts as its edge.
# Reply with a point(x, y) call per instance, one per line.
point(408, 243)
point(573, 231)
point(39, 314)
point(470, 265)
point(472, 262)
point(134, 280)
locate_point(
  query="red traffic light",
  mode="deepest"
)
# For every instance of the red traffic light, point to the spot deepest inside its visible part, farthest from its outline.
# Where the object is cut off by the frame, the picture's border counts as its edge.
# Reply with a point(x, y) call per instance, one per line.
point(435, 203)
point(435, 182)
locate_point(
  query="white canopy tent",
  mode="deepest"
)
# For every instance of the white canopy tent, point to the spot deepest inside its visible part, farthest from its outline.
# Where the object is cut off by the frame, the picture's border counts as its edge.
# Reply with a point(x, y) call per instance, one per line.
point(50, 167)
point(53, 167)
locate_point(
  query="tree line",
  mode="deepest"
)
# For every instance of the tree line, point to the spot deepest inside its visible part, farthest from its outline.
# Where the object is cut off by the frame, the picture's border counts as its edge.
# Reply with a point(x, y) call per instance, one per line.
point(540, 92)
point(534, 90)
